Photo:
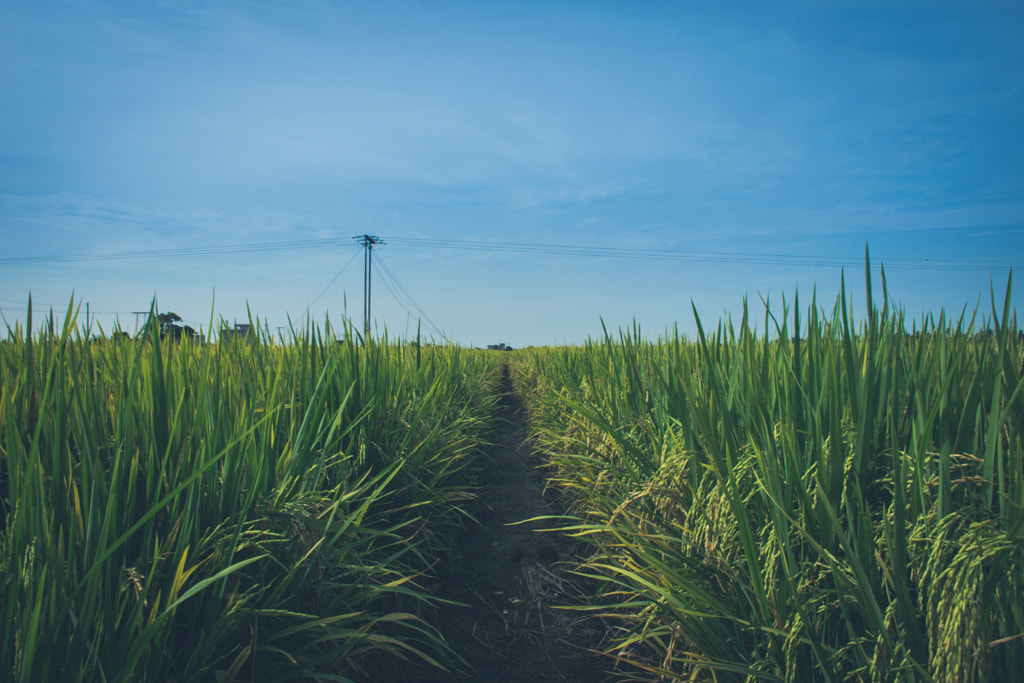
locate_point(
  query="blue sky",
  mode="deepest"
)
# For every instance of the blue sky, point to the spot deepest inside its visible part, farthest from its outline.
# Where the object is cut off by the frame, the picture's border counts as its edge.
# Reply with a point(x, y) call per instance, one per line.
point(756, 147)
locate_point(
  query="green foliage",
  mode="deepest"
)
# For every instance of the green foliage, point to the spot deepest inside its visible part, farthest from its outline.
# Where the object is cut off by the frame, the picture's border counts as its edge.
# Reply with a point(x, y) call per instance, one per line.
point(818, 501)
point(240, 511)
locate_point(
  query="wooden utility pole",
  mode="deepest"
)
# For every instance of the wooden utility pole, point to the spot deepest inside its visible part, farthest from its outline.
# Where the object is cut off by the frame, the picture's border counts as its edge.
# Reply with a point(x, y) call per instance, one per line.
point(368, 242)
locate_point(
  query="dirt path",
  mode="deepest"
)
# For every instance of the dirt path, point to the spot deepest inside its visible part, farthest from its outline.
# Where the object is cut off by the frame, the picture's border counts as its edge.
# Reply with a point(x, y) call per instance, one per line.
point(511, 577)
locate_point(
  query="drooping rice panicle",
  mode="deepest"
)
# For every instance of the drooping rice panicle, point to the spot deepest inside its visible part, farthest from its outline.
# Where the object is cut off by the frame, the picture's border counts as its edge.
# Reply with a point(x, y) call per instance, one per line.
point(823, 499)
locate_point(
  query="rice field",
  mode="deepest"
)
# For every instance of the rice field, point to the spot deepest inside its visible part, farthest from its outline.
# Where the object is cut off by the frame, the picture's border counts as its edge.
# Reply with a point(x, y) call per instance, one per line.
point(249, 510)
point(809, 494)
point(800, 497)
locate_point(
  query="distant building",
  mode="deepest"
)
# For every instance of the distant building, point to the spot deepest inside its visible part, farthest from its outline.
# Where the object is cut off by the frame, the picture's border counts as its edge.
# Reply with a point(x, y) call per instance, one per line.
point(498, 347)
point(242, 330)
point(180, 332)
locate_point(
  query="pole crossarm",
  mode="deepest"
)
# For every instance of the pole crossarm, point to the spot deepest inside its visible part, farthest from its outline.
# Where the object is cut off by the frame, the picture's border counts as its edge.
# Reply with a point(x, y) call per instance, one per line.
point(369, 240)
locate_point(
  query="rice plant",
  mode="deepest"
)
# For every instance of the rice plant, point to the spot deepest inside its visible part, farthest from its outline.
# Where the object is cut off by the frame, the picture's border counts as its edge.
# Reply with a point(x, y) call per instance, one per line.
point(819, 500)
point(248, 510)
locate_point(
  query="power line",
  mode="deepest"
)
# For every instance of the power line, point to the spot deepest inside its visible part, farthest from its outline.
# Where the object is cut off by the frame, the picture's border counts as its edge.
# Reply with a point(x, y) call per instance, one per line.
point(397, 298)
point(704, 256)
point(660, 254)
point(335, 278)
point(42, 306)
point(423, 314)
point(186, 251)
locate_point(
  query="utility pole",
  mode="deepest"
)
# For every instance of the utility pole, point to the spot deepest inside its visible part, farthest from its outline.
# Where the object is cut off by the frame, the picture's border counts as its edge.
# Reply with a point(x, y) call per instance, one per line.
point(368, 242)
point(137, 314)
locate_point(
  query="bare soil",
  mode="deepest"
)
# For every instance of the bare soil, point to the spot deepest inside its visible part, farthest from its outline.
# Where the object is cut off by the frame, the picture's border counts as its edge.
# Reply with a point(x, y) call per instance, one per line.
point(513, 579)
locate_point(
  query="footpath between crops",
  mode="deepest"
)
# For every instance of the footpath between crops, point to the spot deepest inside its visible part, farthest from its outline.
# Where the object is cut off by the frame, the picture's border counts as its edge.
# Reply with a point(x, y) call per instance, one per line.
point(511, 577)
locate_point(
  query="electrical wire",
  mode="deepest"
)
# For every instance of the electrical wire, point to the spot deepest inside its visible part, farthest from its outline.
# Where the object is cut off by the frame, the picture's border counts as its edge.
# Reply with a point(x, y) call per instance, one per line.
point(423, 314)
point(394, 295)
point(186, 251)
point(335, 279)
point(748, 258)
point(701, 256)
